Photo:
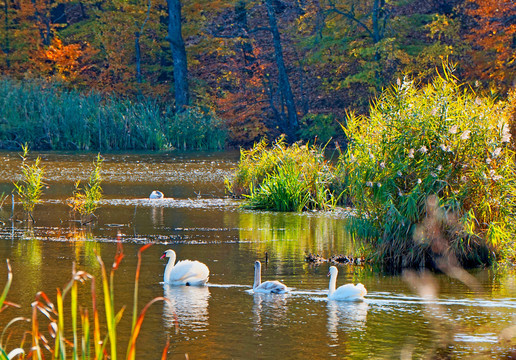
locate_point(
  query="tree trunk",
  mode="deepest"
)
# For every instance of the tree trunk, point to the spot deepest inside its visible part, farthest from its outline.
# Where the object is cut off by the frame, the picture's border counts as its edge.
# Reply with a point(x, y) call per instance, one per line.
point(286, 90)
point(177, 45)
point(6, 39)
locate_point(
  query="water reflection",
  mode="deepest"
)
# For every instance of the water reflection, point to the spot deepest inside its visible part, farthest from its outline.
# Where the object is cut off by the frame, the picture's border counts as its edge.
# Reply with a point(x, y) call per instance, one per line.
point(189, 305)
point(269, 309)
point(350, 316)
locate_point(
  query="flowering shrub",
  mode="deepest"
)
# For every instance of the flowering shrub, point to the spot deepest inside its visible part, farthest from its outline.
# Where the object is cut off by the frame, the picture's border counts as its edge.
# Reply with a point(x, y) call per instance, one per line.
point(431, 175)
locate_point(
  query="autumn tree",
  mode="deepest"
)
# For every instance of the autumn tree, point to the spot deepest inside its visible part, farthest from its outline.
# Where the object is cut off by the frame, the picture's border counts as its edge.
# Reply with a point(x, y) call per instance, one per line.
point(493, 39)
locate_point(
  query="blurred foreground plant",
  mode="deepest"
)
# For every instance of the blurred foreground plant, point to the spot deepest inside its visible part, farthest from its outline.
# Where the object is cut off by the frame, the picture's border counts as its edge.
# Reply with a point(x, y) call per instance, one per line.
point(432, 176)
point(90, 342)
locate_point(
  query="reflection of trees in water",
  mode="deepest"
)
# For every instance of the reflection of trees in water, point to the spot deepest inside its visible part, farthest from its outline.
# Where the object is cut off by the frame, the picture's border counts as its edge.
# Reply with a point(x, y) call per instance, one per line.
point(157, 215)
point(269, 309)
point(294, 233)
point(348, 316)
point(189, 304)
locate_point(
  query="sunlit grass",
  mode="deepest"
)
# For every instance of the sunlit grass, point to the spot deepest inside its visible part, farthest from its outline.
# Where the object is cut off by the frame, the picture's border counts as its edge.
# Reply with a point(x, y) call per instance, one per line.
point(431, 175)
point(47, 338)
point(285, 178)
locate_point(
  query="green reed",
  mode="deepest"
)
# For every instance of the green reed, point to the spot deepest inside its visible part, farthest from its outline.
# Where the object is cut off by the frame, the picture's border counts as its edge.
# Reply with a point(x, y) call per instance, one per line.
point(431, 175)
point(30, 188)
point(86, 200)
point(285, 178)
point(87, 340)
point(49, 117)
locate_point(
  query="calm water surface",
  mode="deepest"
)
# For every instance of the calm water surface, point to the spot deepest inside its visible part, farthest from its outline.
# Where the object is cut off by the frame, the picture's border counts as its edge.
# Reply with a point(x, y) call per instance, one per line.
point(225, 320)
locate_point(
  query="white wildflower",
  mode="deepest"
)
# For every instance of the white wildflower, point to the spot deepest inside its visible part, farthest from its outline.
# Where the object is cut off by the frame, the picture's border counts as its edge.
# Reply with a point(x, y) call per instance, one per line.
point(488, 161)
point(352, 158)
point(382, 165)
point(433, 174)
point(463, 178)
point(492, 173)
point(419, 181)
point(506, 135)
point(379, 185)
point(453, 129)
point(497, 152)
point(497, 177)
point(423, 149)
point(400, 193)
point(465, 135)
point(399, 173)
point(369, 184)
point(439, 167)
point(478, 101)
point(411, 153)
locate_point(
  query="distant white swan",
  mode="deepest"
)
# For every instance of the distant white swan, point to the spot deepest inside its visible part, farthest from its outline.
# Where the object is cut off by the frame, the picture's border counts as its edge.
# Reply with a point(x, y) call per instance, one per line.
point(348, 292)
point(156, 194)
point(268, 286)
point(186, 272)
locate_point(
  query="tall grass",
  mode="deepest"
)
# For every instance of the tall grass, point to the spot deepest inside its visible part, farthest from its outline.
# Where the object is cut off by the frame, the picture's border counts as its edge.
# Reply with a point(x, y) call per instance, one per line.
point(48, 117)
point(30, 188)
point(86, 200)
point(431, 175)
point(87, 340)
point(285, 178)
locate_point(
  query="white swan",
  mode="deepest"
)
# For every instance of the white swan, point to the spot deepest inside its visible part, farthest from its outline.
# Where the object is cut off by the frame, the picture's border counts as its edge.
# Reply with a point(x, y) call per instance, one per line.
point(348, 292)
point(186, 272)
point(156, 194)
point(268, 286)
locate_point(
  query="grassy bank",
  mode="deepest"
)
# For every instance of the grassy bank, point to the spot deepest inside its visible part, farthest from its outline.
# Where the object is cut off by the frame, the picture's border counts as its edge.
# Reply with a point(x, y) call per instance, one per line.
point(430, 173)
point(47, 117)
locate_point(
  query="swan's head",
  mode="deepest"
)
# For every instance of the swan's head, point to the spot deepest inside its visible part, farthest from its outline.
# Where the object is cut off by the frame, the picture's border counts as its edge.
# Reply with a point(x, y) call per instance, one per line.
point(333, 271)
point(257, 264)
point(168, 253)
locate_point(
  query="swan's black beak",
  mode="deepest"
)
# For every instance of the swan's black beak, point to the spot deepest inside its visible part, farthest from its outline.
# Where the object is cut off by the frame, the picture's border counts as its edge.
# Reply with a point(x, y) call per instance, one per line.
point(328, 274)
point(163, 256)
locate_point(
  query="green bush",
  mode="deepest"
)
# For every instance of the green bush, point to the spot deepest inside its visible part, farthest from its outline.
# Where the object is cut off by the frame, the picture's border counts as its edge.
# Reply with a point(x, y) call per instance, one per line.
point(284, 178)
point(318, 127)
point(432, 176)
point(30, 188)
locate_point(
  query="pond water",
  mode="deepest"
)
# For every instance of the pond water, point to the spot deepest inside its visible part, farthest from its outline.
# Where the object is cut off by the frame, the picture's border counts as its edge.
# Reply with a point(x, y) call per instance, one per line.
point(403, 316)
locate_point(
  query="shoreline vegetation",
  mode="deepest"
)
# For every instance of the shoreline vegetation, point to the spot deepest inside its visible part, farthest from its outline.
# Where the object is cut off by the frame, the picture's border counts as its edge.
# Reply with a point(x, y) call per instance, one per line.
point(430, 173)
point(46, 116)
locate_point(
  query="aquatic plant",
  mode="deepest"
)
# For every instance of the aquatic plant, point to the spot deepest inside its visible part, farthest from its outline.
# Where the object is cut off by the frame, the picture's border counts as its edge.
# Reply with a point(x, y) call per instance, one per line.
point(87, 340)
point(31, 187)
point(284, 178)
point(85, 200)
point(48, 116)
point(196, 128)
point(431, 175)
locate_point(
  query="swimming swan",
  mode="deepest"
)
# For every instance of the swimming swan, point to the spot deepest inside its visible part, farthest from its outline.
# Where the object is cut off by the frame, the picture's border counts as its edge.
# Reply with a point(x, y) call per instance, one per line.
point(268, 286)
point(348, 292)
point(186, 272)
point(156, 194)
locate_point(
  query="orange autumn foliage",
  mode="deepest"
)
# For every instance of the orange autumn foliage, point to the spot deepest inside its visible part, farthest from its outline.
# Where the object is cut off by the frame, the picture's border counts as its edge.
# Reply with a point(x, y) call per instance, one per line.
point(494, 40)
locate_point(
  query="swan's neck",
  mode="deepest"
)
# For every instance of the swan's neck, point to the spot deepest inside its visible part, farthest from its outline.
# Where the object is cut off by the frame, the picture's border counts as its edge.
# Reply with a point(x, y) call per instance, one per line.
point(170, 266)
point(257, 276)
point(333, 284)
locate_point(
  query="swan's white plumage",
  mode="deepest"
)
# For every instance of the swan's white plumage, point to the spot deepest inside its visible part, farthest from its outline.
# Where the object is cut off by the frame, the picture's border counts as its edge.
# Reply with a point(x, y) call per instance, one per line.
point(156, 194)
point(185, 272)
point(348, 292)
point(271, 286)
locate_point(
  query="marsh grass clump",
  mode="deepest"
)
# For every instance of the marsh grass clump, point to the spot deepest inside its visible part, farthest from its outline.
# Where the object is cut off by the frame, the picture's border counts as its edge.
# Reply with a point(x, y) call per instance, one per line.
point(197, 128)
point(284, 178)
point(431, 175)
point(30, 188)
point(85, 200)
